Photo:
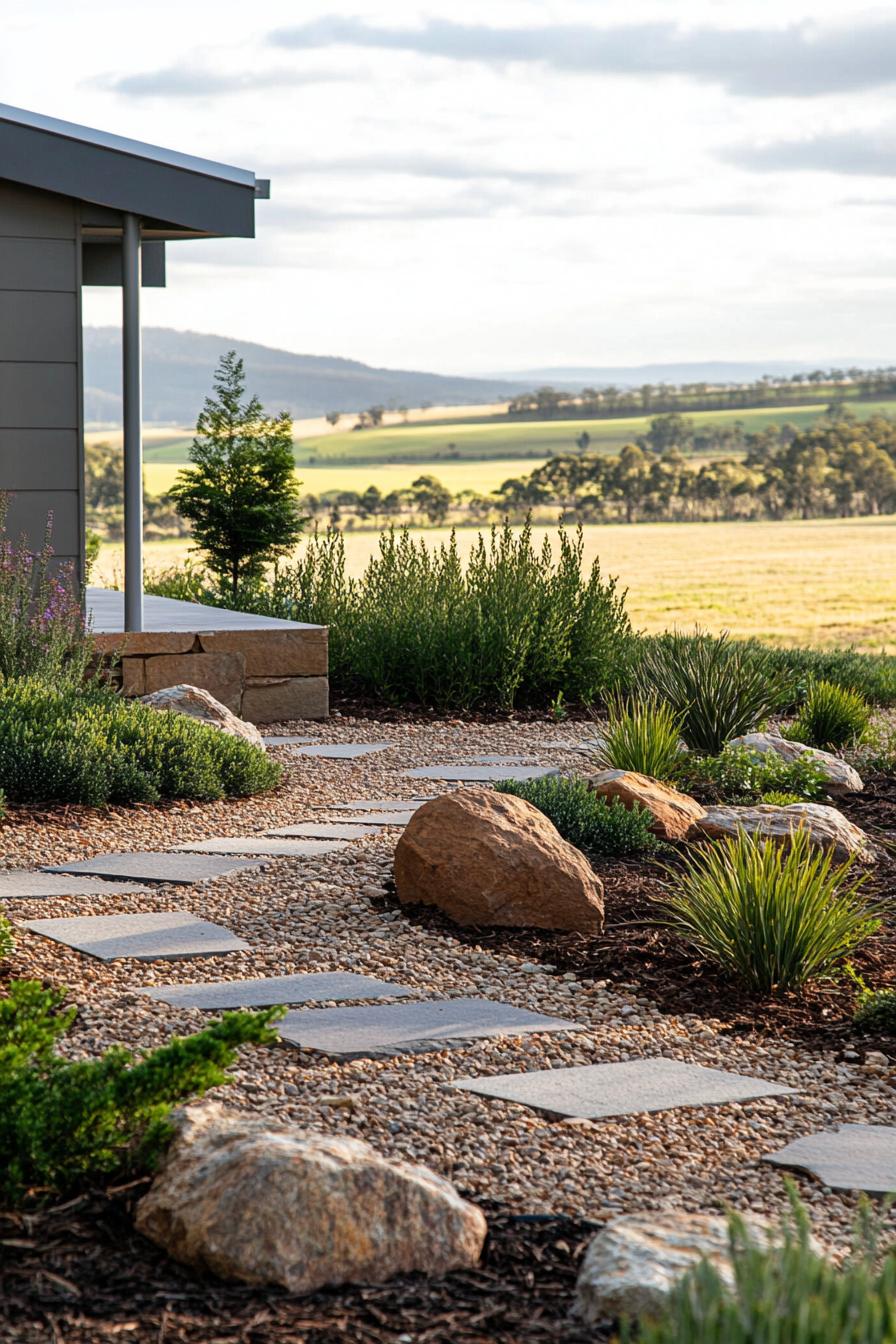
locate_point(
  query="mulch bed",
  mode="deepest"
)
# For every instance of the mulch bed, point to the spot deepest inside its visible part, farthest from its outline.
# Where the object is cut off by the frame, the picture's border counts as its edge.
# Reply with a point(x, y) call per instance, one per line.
point(633, 950)
point(80, 1274)
point(368, 707)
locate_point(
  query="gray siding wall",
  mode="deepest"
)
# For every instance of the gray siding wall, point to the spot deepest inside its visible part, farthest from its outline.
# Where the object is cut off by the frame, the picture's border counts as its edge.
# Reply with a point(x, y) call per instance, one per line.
point(41, 432)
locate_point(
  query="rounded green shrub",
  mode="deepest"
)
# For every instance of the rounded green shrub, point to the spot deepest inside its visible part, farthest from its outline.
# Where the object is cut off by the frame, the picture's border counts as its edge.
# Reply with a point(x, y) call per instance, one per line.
point(583, 818)
point(71, 744)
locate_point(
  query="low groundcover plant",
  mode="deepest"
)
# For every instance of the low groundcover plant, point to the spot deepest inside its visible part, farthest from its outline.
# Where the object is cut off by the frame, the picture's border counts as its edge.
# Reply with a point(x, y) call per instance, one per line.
point(584, 819)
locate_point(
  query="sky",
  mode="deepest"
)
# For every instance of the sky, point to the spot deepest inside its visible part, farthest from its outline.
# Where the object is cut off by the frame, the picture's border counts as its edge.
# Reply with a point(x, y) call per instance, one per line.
point(472, 187)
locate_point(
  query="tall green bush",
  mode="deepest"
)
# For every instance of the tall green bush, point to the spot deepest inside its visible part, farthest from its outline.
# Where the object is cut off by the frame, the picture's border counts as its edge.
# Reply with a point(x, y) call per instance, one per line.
point(513, 626)
point(67, 1124)
point(70, 744)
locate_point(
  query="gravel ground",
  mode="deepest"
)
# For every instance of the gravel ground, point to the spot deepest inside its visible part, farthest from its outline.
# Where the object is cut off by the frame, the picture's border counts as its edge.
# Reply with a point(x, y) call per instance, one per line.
point(320, 914)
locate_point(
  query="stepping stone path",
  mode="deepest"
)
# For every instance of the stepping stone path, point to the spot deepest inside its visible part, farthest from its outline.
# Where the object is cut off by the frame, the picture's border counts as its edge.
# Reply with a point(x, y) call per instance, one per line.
point(376, 819)
point(181, 869)
point(259, 844)
point(381, 805)
point(26, 884)
point(287, 740)
point(160, 936)
point(343, 751)
point(593, 1091)
point(481, 773)
point(353, 1033)
point(853, 1157)
point(310, 988)
point(329, 830)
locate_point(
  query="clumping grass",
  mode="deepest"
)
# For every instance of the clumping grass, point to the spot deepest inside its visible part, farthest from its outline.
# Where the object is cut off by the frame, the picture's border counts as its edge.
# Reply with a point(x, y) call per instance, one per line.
point(875, 1008)
point(740, 775)
point(68, 1124)
point(831, 717)
point(784, 1293)
point(583, 818)
point(69, 744)
point(641, 734)
point(774, 916)
point(717, 691)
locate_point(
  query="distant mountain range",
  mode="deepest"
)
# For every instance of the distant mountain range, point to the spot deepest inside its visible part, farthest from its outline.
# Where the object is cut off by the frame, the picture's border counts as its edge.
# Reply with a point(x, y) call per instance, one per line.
point(178, 368)
point(698, 371)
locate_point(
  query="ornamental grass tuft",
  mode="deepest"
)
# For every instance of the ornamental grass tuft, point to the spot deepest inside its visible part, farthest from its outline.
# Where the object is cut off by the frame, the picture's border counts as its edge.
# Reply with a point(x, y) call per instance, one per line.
point(831, 717)
point(774, 916)
point(641, 734)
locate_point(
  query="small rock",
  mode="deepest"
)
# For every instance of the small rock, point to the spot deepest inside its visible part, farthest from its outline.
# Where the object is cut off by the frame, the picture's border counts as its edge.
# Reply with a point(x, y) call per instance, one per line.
point(877, 1059)
point(839, 777)
point(263, 1202)
point(199, 704)
point(673, 812)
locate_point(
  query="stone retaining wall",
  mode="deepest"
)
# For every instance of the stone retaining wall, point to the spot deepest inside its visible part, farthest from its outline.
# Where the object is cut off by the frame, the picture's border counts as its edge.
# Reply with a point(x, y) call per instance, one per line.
point(262, 675)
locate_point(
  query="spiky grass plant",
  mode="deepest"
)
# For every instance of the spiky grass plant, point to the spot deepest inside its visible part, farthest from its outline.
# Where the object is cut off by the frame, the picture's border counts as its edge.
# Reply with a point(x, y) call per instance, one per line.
point(785, 1293)
point(775, 916)
point(643, 734)
point(718, 688)
point(831, 717)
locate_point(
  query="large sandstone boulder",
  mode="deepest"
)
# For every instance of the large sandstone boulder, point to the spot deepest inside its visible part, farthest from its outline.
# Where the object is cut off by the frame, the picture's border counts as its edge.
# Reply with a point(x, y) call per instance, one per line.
point(827, 827)
point(630, 1267)
point(491, 858)
point(839, 777)
point(251, 1199)
point(673, 812)
point(199, 704)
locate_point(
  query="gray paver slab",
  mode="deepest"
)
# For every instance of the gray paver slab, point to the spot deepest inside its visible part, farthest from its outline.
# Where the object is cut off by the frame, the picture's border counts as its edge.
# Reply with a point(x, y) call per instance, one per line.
point(592, 1091)
point(852, 1157)
point(343, 751)
point(150, 866)
point(287, 740)
point(329, 830)
point(310, 988)
point(375, 820)
point(524, 758)
point(260, 844)
point(380, 805)
point(155, 936)
point(25, 883)
point(392, 1028)
point(480, 773)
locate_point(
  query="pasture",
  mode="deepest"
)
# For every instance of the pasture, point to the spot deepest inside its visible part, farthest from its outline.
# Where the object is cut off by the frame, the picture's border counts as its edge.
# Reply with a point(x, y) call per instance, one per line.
point(824, 582)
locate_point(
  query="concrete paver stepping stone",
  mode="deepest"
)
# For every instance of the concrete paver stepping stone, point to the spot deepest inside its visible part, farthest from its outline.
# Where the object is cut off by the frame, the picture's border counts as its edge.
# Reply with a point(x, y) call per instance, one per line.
point(352, 1033)
point(375, 820)
point(260, 844)
point(592, 1091)
point(524, 758)
point(25, 883)
point(481, 773)
point(308, 988)
point(150, 866)
point(851, 1157)
point(380, 805)
point(329, 830)
point(164, 935)
point(343, 751)
point(287, 740)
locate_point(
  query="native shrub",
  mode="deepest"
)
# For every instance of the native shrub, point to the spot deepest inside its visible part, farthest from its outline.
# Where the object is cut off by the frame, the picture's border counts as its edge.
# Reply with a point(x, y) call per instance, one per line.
point(831, 717)
point(70, 744)
point(643, 735)
point(783, 1294)
point(707, 680)
point(875, 1009)
point(65, 1124)
point(585, 819)
point(740, 775)
point(774, 916)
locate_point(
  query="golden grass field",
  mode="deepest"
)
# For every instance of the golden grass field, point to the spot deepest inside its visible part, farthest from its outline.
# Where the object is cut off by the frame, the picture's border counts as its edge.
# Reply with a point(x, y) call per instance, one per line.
point(825, 582)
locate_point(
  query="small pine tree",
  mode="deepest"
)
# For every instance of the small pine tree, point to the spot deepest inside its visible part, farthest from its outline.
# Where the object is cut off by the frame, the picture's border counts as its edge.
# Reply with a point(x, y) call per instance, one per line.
point(240, 494)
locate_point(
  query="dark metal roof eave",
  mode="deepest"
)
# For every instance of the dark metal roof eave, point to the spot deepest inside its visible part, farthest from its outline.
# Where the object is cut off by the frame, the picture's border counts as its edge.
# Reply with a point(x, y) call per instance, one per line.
point(195, 196)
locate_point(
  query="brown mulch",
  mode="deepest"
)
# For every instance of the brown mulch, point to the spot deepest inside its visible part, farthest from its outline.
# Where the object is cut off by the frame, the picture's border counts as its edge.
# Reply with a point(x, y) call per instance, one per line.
point(80, 1274)
point(368, 707)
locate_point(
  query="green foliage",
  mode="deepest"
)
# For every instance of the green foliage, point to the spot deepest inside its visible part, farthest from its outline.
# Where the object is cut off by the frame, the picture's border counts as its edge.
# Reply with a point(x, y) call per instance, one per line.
point(65, 1124)
point(777, 798)
point(6, 937)
point(831, 717)
point(775, 916)
point(70, 744)
point(186, 582)
point(740, 775)
point(513, 626)
point(716, 690)
point(642, 735)
point(875, 1009)
point(584, 819)
point(240, 494)
point(785, 1293)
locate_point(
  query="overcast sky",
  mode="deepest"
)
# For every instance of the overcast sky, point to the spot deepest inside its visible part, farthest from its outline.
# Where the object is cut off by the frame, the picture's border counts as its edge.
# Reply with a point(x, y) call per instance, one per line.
point(472, 186)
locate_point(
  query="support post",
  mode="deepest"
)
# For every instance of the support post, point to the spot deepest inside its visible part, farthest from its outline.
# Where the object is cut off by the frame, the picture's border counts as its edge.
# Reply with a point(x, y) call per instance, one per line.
point(132, 418)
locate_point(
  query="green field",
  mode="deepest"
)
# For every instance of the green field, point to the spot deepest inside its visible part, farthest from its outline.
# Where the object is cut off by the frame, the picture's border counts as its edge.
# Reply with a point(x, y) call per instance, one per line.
point(825, 582)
